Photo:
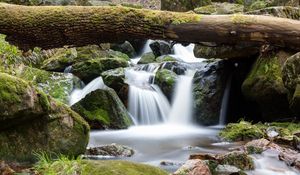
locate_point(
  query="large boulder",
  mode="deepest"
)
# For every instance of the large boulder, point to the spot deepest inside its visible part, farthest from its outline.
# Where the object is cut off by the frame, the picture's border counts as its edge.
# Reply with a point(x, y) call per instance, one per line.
point(147, 58)
point(208, 87)
point(31, 123)
point(264, 86)
point(103, 109)
point(91, 69)
point(182, 5)
point(57, 85)
point(291, 73)
point(225, 52)
point(166, 80)
point(282, 12)
point(125, 47)
point(63, 58)
point(115, 79)
point(60, 60)
point(160, 48)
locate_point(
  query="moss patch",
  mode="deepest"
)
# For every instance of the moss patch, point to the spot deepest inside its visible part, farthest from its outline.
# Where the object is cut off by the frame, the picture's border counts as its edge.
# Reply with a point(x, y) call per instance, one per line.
point(99, 167)
point(246, 131)
point(241, 131)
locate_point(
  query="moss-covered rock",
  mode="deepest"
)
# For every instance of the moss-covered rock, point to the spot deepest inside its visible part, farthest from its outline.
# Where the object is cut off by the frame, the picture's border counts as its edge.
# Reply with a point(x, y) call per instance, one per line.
point(246, 131)
point(147, 58)
point(165, 58)
point(208, 87)
point(31, 122)
point(19, 101)
point(115, 79)
point(241, 131)
point(291, 73)
point(125, 47)
point(282, 12)
point(220, 8)
point(251, 5)
point(264, 87)
point(58, 85)
point(60, 60)
point(91, 69)
point(160, 48)
point(103, 109)
point(238, 159)
point(166, 80)
point(66, 57)
point(183, 5)
point(225, 52)
point(99, 167)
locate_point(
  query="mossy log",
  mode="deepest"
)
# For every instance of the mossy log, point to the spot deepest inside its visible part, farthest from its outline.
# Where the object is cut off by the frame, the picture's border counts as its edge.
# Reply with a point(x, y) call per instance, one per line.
point(56, 26)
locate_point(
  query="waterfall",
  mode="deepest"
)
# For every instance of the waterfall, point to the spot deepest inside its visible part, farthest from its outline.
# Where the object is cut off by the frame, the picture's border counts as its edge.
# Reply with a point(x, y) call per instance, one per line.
point(79, 94)
point(185, 53)
point(181, 112)
point(146, 49)
point(68, 69)
point(147, 104)
point(225, 100)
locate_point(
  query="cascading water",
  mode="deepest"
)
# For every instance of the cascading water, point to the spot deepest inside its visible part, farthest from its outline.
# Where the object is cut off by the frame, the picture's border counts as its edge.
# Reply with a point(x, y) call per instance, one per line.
point(79, 94)
point(147, 104)
point(225, 101)
point(185, 53)
point(181, 112)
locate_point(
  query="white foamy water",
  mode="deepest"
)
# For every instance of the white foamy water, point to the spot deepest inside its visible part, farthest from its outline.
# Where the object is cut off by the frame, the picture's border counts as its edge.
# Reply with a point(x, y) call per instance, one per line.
point(268, 164)
point(146, 103)
point(225, 101)
point(79, 94)
point(185, 53)
point(181, 112)
point(146, 49)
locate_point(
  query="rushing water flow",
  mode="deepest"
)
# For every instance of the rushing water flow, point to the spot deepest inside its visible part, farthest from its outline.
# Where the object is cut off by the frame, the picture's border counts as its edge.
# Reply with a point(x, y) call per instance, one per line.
point(268, 164)
point(79, 94)
point(164, 132)
point(181, 112)
point(147, 104)
point(225, 101)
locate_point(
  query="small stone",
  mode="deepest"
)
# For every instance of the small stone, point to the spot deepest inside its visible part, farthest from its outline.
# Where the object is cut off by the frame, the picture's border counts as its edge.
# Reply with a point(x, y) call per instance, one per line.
point(110, 150)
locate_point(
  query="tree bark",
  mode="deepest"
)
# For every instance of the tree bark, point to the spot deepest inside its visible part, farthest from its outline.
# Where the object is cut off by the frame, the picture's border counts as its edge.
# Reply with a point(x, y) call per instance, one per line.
point(56, 26)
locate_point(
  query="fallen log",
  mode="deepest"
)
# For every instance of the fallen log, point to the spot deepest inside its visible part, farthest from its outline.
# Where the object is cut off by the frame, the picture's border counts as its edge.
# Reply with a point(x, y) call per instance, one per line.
point(56, 26)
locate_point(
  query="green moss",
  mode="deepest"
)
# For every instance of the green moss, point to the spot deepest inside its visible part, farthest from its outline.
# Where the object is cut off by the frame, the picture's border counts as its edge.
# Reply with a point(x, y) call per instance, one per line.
point(254, 150)
point(165, 58)
point(247, 131)
point(66, 166)
point(103, 109)
point(209, 9)
point(11, 89)
point(147, 58)
point(9, 54)
point(256, 5)
point(91, 69)
point(242, 19)
point(241, 131)
point(238, 159)
point(131, 5)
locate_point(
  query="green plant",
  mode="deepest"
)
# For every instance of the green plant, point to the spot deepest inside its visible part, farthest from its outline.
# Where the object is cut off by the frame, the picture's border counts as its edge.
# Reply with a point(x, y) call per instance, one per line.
point(58, 164)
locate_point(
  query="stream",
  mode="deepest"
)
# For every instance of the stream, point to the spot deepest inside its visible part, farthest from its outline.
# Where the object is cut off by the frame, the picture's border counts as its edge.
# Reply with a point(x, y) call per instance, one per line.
point(164, 131)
